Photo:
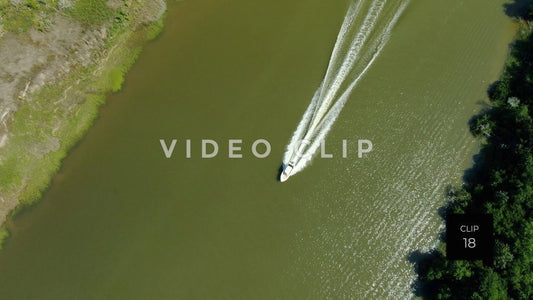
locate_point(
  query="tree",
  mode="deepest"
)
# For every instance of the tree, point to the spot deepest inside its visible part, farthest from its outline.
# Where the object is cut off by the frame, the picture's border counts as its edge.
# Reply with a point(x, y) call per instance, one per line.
point(502, 255)
point(492, 286)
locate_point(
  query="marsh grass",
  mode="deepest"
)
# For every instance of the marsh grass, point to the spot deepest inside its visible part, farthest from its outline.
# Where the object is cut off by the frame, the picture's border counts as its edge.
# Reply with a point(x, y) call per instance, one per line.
point(92, 12)
point(25, 15)
point(36, 14)
point(4, 234)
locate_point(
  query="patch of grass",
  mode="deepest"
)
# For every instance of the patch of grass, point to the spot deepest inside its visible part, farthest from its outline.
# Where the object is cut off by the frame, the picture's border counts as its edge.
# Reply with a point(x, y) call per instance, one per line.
point(10, 172)
point(19, 19)
point(116, 78)
point(92, 12)
point(117, 73)
point(155, 29)
point(26, 15)
point(122, 18)
point(4, 234)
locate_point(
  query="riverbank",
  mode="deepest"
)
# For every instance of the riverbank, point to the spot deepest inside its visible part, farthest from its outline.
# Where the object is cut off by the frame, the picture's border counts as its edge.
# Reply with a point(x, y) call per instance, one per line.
point(61, 58)
point(499, 184)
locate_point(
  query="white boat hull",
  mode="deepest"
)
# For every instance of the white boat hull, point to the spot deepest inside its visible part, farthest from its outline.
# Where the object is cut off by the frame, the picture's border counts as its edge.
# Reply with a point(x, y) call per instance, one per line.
point(286, 173)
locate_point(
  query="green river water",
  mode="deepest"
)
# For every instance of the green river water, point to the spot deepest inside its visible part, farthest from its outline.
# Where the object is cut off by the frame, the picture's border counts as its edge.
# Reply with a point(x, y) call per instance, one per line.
point(121, 221)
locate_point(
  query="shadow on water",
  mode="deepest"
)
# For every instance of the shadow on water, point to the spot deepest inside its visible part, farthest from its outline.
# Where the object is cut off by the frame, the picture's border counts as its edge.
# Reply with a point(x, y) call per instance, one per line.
point(477, 173)
point(280, 170)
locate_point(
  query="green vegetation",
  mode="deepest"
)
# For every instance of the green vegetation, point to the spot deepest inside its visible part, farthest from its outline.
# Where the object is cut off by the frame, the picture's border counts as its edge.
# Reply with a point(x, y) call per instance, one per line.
point(93, 12)
point(501, 184)
point(4, 234)
point(154, 29)
point(37, 13)
point(26, 15)
point(49, 123)
point(116, 77)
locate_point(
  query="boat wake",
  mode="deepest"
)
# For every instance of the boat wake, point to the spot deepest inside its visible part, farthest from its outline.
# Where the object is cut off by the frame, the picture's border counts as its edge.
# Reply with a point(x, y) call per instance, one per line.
point(363, 34)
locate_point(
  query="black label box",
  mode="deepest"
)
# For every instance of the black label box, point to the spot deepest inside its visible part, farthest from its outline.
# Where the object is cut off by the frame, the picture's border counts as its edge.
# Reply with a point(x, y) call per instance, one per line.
point(469, 237)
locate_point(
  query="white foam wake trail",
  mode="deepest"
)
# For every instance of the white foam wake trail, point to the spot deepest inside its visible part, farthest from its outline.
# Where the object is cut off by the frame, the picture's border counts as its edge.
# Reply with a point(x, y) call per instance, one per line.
point(300, 130)
point(310, 112)
point(321, 114)
point(347, 24)
point(330, 118)
point(332, 115)
point(347, 65)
